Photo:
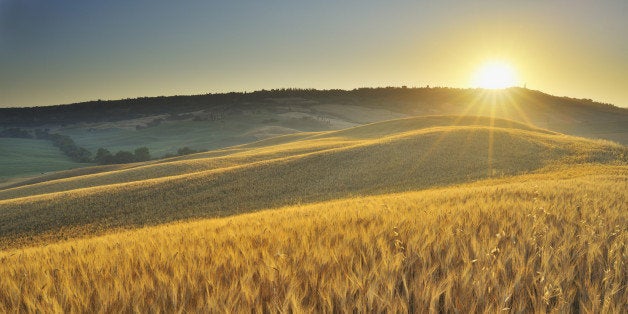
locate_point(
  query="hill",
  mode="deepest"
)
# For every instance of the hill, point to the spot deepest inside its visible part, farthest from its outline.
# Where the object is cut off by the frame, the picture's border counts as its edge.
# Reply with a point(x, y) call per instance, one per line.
point(550, 242)
point(439, 213)
point(385, 157)
point(214, 121)
point(516, 103)
point(282, 146)
point(27, 157)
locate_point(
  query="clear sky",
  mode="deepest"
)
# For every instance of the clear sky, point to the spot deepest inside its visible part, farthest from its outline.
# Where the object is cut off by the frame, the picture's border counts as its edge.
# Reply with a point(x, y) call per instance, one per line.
point(54, 52)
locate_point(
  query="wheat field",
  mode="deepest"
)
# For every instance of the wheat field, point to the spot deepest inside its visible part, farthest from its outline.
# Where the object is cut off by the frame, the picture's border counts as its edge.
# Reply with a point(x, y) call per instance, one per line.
point(380, 158)
point(544, 242)
point(438, 214)
point(277, 149)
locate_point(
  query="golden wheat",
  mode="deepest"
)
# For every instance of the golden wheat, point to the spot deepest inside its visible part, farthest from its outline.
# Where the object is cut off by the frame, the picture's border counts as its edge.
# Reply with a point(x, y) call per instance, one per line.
point(277, 148)
point(553, 242)
point(550, 240)
point(316, 168)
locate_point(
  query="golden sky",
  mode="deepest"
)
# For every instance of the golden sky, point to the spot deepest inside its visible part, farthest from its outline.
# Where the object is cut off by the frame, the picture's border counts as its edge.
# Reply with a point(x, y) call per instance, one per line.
point(70, 51)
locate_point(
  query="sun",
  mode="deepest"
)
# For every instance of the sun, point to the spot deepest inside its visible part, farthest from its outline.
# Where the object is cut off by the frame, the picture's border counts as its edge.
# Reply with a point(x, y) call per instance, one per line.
point(495, 75)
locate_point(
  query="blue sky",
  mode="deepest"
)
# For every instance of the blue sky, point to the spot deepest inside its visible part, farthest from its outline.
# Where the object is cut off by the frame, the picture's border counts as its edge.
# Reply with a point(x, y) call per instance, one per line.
point(55, 52)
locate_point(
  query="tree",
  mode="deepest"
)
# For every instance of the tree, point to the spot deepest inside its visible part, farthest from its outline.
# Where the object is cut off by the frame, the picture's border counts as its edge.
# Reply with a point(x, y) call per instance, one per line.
point(123, 157)
point(81, 154)
point(68, 147)
point(186, 151)
point(103, 156)
point(142, 154)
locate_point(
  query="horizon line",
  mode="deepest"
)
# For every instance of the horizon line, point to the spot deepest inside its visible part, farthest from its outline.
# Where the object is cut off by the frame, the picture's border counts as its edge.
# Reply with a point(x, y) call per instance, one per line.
point(427, 86)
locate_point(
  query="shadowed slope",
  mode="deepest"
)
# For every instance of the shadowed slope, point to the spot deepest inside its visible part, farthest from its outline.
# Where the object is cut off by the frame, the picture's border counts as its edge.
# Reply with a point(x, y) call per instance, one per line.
point(409, 159)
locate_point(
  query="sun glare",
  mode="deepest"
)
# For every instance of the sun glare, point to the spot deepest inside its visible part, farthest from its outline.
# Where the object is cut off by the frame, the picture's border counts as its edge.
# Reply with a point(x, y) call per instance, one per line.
point(495, 75)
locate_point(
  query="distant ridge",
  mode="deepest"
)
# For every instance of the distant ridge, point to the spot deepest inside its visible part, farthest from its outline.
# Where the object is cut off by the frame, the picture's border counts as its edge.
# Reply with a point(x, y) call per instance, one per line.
point(582, 117)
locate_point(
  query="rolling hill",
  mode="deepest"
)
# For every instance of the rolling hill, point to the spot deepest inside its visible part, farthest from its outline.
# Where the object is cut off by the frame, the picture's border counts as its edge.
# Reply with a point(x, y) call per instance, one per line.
point(214, 121)
point(446, 213)
point(385, 157)
point(550, 242)
point(27, 157)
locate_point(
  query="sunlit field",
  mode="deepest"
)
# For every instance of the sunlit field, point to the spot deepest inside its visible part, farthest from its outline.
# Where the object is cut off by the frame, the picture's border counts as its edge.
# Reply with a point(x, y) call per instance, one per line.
point(439, 213)
point(313, 157)
point(535, 243)
point(386, 157)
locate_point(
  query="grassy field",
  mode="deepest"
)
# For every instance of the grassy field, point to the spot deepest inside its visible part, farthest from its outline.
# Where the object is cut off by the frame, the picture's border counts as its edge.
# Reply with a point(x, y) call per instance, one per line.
point(202, 135)
point(551, 242)
point(440, 213)
point(24, 157)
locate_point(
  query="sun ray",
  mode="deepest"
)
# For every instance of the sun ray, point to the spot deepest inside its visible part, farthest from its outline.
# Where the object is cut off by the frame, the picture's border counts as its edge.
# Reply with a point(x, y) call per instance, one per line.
point(473, 103)
point(484, 98)
point(479, 99)
point(443, 135)
point(490, 136)
point(513, 104)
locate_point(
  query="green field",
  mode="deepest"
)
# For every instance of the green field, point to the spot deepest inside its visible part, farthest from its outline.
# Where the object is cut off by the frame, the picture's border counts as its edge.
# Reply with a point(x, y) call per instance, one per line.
point(24, 157)
point(172, 135)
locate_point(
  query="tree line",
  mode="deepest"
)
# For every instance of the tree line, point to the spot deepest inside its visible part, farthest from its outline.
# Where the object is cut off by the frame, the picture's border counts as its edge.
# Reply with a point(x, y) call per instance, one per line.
point(65, 145)
point(395, 98)
point(105, 157)
point(181, 152)
point(79, 154)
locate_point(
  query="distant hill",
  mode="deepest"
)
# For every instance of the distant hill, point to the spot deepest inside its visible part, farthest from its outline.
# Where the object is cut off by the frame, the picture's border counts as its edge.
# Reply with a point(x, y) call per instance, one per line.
point(208, 122)
point(582, 117)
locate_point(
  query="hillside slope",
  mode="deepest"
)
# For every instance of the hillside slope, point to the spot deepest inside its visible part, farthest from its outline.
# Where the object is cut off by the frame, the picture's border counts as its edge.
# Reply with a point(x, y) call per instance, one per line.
point(550, 242)
point(277, 147)
point(209, 122)
point(393, 156)
point(27, 157)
